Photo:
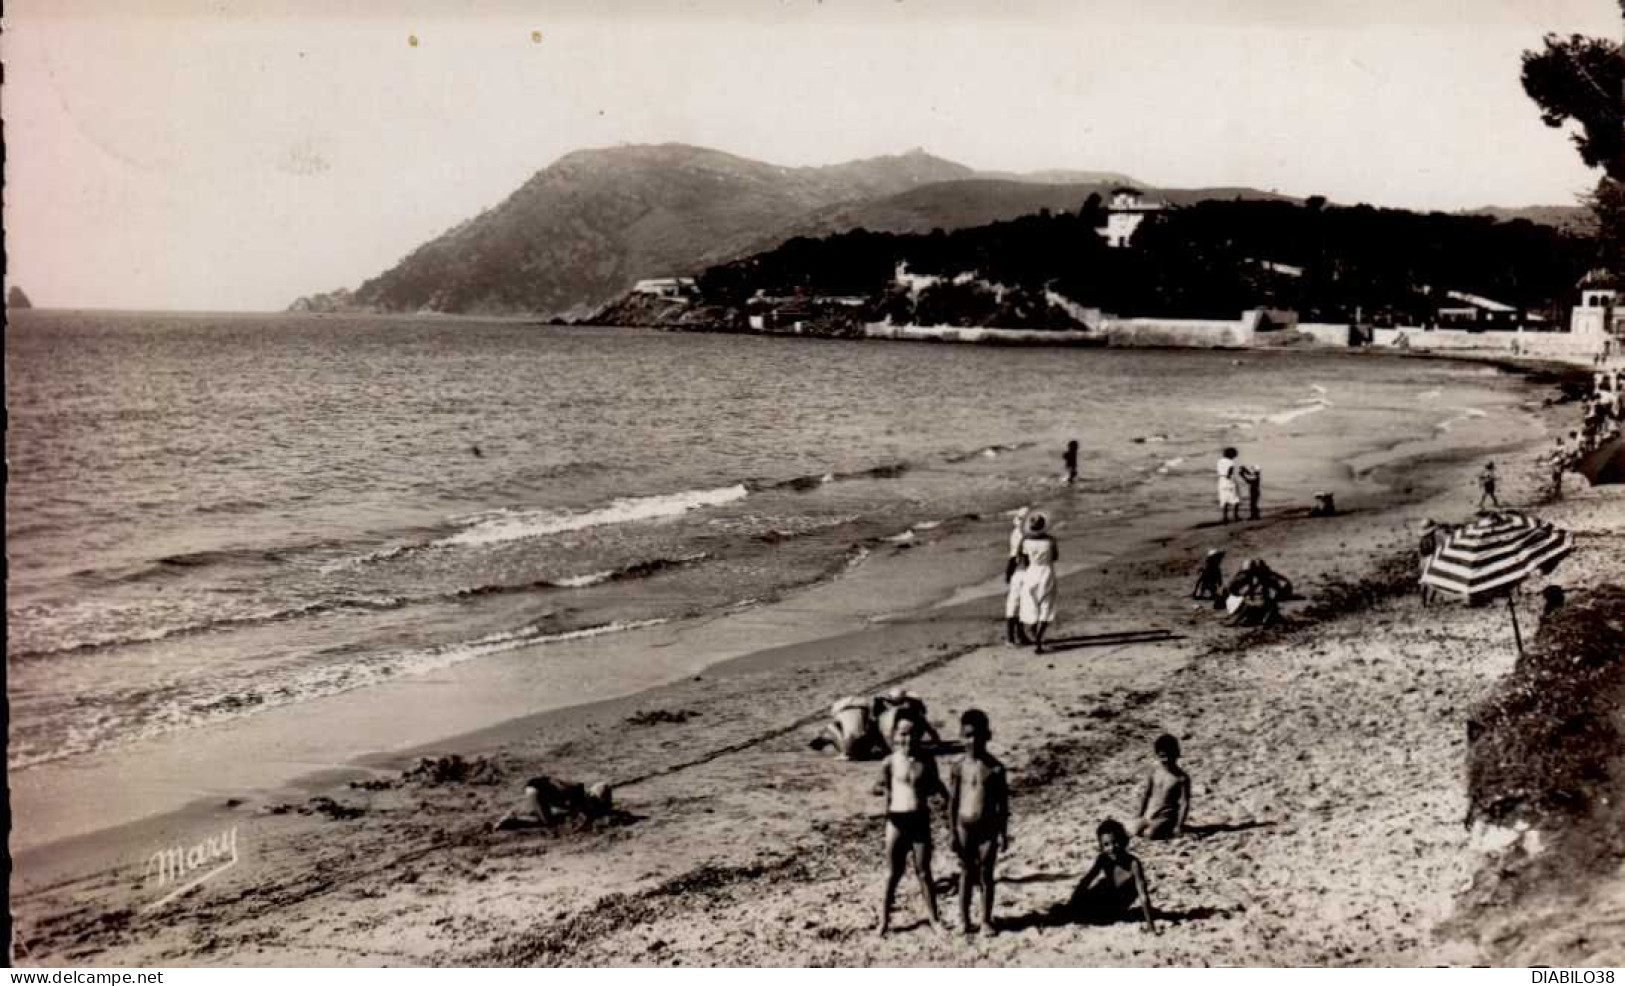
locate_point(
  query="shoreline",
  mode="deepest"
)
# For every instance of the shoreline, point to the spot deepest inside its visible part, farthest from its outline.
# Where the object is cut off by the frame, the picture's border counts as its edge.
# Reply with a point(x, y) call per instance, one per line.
point(921, 639)
point(265, 761)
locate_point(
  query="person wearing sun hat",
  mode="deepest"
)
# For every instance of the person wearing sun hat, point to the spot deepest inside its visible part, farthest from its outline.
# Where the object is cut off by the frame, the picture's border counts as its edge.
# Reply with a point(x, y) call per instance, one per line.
point(1038, 588)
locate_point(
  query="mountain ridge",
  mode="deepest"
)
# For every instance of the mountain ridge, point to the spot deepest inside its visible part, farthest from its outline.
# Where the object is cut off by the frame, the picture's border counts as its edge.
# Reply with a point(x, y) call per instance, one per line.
point(581, 231)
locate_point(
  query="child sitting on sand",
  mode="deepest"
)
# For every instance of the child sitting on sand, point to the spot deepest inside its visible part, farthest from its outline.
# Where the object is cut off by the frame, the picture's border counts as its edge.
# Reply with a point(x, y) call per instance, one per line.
point(1210, 579)
point(1255, 595)
point(1015, 632)
point(1115, 887)
point(908, 779)
point(897, 705)
point(1165, 797)
point(979, 807)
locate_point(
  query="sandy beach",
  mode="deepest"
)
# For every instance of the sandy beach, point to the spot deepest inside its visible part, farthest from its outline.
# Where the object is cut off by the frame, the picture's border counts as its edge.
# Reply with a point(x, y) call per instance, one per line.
point(1327, 758)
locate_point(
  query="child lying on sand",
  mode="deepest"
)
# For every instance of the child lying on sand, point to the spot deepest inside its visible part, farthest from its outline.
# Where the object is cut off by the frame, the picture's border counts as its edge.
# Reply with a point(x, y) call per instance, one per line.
point(1165, 797)
point(851, 729)
point(548, 801)
point(979, 805)
point(908, 779)
point(1115, 887)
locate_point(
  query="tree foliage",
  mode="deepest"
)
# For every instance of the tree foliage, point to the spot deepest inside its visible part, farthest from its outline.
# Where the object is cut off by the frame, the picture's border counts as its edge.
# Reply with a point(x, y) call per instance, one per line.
point(1212, 259)
point(1582, 79)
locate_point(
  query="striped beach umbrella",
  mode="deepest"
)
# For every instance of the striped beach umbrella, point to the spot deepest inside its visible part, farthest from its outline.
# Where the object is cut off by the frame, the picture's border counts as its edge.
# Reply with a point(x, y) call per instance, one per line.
point(1494, 553)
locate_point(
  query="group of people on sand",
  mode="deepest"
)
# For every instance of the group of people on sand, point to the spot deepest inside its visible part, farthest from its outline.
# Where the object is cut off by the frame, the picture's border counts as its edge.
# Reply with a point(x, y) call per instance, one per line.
point(1233, 473)
point(976, 796)
point(1252, 597)
point(1601, 421)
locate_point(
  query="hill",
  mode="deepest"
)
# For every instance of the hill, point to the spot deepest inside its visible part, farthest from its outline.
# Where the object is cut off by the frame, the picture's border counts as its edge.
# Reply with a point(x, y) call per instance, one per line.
point(1571, 218)
point(595, 221)
point(15, 298)
point(1213, 258)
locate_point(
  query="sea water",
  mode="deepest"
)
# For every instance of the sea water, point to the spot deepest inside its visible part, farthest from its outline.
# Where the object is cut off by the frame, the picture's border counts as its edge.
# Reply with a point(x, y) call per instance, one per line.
point(210, 515)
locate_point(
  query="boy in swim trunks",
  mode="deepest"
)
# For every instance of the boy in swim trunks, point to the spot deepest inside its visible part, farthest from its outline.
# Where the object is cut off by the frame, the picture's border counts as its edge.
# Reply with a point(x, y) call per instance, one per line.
point(908, 779)
point(979, 806)
point(1165, 797)
point(1121, 888)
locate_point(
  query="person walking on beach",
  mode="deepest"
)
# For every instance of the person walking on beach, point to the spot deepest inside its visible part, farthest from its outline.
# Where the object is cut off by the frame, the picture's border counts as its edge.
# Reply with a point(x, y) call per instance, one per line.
point(908, 779)
point(1018, 530)
point(1070, 458)
point(1559, 464)
point(1254, 478)
point(1229, 496)
point(1038, 586)
point(1015, 632)
point(979, 813)
point(1486, 486)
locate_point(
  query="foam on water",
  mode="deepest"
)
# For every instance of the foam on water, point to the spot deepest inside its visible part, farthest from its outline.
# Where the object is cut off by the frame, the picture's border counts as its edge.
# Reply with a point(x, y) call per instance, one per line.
point(518, 525)
point(251, 694)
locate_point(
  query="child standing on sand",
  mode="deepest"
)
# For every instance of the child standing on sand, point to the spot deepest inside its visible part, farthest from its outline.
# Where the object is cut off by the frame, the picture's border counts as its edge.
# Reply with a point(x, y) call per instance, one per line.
point(908, 779)
point(1015, 632)
point(979, 806)
point(1254, 478)
point(1165, 797)
point(1115, 887)
point(1486, 486)
point(1210, 579)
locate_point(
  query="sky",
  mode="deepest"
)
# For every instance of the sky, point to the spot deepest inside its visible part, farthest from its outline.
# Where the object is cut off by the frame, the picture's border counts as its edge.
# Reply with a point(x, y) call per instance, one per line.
point(232, 156)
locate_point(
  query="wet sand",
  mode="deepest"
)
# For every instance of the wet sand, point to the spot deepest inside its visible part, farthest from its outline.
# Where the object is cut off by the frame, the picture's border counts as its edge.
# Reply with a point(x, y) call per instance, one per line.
point(1324, 758)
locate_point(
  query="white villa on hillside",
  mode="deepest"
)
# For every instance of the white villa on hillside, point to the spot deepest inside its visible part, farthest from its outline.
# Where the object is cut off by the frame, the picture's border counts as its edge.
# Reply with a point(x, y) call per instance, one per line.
point(1125, 214)
point(665, 287)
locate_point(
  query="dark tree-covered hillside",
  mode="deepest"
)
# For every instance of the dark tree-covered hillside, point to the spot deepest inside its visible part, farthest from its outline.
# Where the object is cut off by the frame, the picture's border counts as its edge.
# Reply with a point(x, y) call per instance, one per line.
point(1210, 259)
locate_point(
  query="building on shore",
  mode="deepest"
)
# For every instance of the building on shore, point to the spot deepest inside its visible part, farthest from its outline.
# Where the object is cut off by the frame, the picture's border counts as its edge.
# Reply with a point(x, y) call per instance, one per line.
point(1127, 210)
point(1476, 311)
point(1598, 315)
point(666, 287)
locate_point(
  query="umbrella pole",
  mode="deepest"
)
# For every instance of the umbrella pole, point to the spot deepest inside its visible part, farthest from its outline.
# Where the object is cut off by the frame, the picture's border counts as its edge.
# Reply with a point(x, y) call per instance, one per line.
point(1517, 637)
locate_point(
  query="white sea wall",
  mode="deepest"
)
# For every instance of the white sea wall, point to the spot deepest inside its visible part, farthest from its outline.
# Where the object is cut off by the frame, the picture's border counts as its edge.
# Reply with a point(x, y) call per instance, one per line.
point(1553, 344)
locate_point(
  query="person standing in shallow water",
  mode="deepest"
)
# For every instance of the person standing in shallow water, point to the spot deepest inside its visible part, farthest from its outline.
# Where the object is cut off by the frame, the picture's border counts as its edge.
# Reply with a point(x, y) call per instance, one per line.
point(1038, 586)
point(1070, 457)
